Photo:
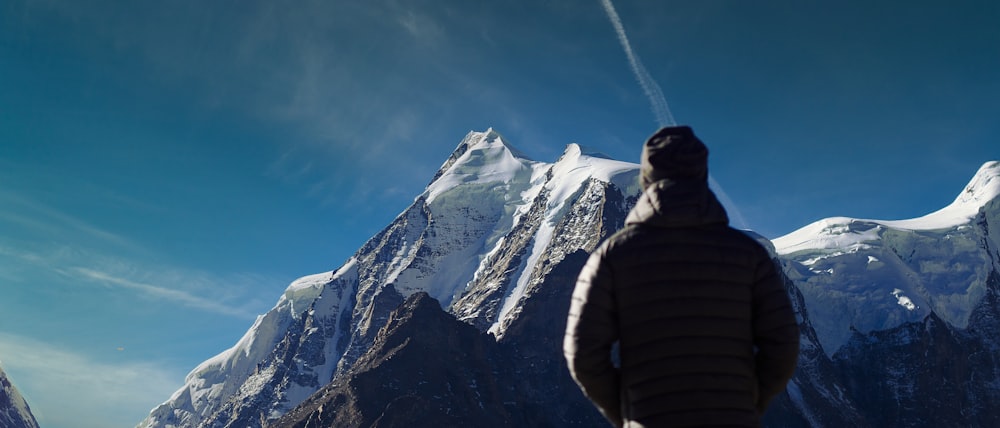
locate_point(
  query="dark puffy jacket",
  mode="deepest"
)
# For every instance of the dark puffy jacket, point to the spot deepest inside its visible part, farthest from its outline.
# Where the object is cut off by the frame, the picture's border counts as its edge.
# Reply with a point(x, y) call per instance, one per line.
point(706, 330)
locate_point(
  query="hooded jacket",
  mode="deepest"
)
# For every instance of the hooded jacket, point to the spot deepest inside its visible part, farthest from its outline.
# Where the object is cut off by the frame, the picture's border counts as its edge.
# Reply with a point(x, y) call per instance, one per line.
point(706, 332)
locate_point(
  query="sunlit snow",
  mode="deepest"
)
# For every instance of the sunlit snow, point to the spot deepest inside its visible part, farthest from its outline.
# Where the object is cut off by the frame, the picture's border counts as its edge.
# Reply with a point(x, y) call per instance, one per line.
point(903, 300)
point(488, 159)
point(569, 174)
point(842, 232)
point(877, 274)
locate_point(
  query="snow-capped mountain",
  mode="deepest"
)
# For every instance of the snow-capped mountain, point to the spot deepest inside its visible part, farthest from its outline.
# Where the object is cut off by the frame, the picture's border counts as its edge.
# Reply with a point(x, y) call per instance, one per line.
point(454, 313)
point(481, 240)
point(905, 315)
point(869, 275)
point(14, 411)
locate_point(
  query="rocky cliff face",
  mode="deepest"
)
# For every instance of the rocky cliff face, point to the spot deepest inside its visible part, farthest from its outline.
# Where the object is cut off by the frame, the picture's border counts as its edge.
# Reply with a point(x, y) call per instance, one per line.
point(424, 365)
point(453, 315)
point(14, 411)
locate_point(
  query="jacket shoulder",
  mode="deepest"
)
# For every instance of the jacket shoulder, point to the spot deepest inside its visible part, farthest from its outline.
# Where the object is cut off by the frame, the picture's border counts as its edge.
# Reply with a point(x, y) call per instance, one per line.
point(721, 234)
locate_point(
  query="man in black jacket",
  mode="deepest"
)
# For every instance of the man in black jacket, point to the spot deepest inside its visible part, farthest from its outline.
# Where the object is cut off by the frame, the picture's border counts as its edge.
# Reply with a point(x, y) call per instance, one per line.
point(707, 335)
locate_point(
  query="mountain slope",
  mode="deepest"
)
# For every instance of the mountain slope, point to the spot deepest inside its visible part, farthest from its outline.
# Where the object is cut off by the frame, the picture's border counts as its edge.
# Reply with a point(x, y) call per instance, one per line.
point(14, 411)
point(388, 385)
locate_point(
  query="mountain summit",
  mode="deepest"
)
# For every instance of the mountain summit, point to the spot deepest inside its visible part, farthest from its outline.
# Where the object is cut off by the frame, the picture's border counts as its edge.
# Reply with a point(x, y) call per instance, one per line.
point(454, 313)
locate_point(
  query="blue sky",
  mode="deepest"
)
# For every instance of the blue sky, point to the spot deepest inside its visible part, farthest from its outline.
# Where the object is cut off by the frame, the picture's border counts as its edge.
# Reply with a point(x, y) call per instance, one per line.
point(167, 168)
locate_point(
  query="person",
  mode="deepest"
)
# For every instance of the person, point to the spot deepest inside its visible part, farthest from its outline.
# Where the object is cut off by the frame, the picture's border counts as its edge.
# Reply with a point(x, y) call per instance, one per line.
point(706, 334)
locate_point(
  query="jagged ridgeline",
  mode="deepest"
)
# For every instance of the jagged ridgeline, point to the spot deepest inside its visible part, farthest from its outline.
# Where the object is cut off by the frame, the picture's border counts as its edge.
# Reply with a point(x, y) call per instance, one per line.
point(453, 314)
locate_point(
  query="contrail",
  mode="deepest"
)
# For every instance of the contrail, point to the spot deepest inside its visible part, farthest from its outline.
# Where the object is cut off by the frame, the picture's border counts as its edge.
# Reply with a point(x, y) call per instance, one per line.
point(733, 212)
point(659, 103)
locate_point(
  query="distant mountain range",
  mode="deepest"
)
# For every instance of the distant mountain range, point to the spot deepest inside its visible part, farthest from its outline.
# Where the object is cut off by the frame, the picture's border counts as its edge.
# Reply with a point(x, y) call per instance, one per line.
point(14, 411)
point(453, 315)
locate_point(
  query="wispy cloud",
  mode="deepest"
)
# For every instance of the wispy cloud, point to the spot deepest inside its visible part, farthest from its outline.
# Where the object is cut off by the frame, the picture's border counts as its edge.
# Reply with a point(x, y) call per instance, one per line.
point(164, 292)
point(190, 288)
point(60, 243)
point(65, 388)
point(420, 26)
point(42, 218)
point(731, 209)
point(653, 92)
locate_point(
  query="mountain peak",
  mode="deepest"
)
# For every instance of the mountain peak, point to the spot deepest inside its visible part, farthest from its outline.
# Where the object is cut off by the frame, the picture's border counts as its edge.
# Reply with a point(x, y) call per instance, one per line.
point(480, 157)
point(579, 163)
point(574, 149)
point(492, 138)
point(983, 188)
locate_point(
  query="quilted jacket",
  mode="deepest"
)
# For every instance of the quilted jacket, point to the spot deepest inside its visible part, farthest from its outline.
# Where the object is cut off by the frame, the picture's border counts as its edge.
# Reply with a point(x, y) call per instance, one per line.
point(707, 335)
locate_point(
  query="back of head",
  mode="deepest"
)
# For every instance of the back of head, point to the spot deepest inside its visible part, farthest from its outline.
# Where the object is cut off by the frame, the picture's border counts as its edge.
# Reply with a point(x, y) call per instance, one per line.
point(674, 153)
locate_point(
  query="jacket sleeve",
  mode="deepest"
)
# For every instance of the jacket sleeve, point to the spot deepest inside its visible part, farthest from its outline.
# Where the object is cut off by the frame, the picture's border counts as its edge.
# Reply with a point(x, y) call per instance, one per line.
point(591, 329)
point(776, 333)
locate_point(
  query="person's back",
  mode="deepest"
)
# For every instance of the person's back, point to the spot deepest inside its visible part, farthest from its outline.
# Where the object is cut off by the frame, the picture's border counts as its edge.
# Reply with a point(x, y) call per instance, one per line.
point(706, 331)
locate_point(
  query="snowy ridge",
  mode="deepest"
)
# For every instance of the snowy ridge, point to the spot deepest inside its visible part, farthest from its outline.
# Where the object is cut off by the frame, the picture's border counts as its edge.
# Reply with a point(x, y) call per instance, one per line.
point(983, 188)
point(880, 274)
point(576, 165)
point(486, 158)
point(837, 232)
point(245, 369)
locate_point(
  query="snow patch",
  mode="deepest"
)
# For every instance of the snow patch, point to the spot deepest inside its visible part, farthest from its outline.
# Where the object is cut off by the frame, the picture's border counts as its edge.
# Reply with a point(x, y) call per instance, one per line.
point(540, 243)
point(903, 300)
point(795, 394)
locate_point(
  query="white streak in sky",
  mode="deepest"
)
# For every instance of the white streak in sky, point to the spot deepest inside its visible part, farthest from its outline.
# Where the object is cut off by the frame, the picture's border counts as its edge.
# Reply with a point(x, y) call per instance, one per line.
point(205, 291)
point(162, 292)
point(659, 103)
point(728, 203)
